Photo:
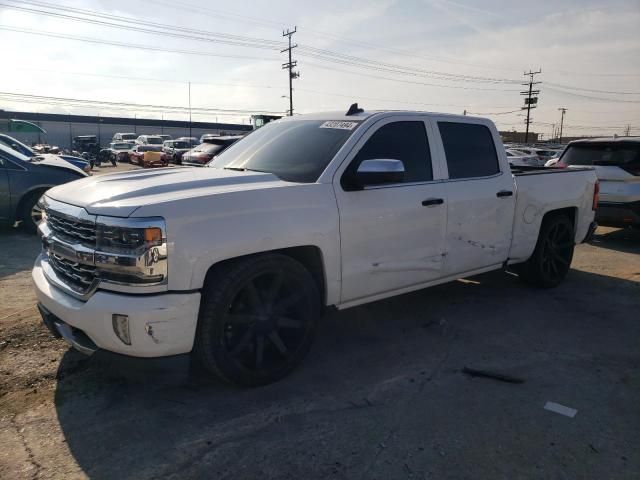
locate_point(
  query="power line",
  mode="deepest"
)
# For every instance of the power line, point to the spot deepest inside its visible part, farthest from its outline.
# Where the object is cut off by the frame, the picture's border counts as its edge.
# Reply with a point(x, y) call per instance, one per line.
point(413, 82)
point(591, 97)
point(143, 25)
point(313, 52)
point(568, 87)
point(127, 45)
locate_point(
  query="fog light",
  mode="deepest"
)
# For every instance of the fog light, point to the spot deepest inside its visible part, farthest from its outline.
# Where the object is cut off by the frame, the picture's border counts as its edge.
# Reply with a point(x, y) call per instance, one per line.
point(121, 327)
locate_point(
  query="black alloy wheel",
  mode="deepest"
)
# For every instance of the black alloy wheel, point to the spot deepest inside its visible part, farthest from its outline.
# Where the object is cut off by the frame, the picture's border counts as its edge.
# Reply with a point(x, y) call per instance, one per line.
point(258, 320)
point(551, 259)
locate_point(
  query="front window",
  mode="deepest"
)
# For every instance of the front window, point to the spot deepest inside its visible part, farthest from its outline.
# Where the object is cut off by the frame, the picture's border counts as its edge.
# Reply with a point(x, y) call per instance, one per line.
point(177, 144)
point(128, 136)
point(294, 151)
point(154, 140)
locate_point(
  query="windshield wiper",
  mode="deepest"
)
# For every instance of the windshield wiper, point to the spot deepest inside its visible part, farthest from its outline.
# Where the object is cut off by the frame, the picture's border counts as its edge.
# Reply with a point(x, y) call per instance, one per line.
point(243, 169)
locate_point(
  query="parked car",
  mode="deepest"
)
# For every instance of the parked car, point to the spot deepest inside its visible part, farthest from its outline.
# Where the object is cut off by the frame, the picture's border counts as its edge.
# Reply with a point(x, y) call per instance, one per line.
point(87, 145)
point(124, 137)
point(193, 141)
point(237, 262)
point(24, 179)
point(28, 152)
point(40, 148)
point(204, 152)
point(119, 151)
point(541, 155)
point(149, 140)
point(148, 156)
point(616, 162)
point(174, 149)
point(519, 159)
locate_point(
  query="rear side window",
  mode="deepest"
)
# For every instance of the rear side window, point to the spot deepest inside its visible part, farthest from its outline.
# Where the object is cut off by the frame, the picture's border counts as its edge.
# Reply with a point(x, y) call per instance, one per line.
point(617, 154)
point(406, 141)
point(469, 149)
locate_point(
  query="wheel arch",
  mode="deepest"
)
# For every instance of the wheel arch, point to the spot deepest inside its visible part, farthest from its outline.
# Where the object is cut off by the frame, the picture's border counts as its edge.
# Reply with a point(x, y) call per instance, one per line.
point(310, 256)
point(39, 190)
point(569, 212)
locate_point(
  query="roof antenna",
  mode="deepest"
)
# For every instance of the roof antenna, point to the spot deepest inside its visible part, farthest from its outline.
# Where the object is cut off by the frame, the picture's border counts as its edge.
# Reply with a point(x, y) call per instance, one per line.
point(353, 109)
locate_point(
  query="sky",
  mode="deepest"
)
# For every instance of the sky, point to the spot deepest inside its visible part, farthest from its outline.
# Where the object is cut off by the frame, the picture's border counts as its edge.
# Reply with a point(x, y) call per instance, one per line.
point(433, 55)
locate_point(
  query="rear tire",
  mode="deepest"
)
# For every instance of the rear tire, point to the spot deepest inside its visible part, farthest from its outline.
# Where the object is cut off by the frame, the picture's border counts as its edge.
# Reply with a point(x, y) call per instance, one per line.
point(258, 317)
point(551, 259)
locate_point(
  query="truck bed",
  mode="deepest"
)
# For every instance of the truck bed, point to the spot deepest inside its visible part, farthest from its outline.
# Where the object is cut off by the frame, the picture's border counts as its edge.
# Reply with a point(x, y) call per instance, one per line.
point(519, 171)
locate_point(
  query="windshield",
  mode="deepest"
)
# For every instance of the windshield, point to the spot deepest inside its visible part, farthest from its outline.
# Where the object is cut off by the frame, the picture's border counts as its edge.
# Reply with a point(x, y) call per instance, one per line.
point(13, 154)
point(145, 148)
point(155, 140)
point(602, 154)
point(121, 146)
point(129, 136)
point(177, 144)
point(295, 151)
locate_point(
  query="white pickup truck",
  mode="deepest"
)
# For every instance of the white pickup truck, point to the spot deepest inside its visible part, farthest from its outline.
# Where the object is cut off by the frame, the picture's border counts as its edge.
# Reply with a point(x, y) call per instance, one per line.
point(235, 262)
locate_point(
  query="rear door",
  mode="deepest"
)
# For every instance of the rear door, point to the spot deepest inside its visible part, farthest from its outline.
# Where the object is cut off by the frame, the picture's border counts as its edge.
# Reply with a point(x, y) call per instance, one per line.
point(480, 196)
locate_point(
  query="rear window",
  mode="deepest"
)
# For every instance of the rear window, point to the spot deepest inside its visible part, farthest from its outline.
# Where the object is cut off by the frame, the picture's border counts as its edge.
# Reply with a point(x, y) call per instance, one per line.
point(154, 140)
point(605, 154)
point(469, 149)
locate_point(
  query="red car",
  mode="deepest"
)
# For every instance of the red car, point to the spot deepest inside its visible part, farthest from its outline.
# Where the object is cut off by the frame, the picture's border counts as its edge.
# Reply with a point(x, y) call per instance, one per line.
point(148, 156)
point(204, 152)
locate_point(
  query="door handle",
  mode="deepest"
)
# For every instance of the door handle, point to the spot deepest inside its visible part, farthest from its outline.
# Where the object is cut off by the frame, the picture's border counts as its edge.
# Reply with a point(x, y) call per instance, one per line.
point(432, 201)
point(504, 193)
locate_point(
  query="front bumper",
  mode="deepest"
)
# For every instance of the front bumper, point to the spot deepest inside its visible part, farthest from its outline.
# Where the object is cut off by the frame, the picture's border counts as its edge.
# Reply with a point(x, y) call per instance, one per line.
point(159, 325)
point(618, 214)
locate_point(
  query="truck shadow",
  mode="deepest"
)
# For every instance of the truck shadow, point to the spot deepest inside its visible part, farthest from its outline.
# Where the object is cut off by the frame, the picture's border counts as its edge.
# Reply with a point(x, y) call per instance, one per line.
point(366, 362)
point(625, 240)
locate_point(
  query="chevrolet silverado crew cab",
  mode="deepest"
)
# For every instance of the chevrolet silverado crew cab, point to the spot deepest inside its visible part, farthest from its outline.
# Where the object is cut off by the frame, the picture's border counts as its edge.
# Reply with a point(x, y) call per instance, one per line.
point(235, 262)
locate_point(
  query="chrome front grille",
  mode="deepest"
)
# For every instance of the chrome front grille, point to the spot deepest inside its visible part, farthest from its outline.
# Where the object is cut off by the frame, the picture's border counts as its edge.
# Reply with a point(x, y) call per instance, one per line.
point(72, 229)
point(79, 276)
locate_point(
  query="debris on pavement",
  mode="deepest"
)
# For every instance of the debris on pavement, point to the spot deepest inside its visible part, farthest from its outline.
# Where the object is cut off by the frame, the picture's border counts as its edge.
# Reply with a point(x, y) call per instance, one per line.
point(561, 409)
point(496, 376)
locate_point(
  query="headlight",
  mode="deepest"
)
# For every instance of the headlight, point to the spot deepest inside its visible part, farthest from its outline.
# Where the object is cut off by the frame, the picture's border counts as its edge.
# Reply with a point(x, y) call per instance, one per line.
point(131, 251)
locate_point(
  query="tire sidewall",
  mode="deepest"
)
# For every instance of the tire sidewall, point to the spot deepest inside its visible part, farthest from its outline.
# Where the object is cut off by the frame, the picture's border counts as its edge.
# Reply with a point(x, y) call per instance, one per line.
point(211, 324)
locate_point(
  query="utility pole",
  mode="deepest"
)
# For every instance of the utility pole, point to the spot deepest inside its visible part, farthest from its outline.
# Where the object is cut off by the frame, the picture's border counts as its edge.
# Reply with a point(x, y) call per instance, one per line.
point(627, 131)
point(290, 65)
point(189, 109)
point(563, 110)
point(531, 101)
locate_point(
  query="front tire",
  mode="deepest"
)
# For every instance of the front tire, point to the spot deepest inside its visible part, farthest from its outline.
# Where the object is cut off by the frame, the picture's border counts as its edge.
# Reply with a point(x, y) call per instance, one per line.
point(551, 259)
point(31, 214)
point(257, 319)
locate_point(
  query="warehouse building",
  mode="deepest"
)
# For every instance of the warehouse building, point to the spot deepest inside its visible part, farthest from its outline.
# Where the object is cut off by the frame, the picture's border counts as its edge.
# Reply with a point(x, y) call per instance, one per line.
point(62, 128)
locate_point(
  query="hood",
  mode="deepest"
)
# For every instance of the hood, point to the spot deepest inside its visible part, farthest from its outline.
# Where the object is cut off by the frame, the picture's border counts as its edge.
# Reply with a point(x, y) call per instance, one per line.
point(55, 161)
point(120, 194)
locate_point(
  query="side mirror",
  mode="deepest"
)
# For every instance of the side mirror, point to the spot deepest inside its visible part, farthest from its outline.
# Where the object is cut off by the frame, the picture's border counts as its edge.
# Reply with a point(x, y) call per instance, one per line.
point(379, 171)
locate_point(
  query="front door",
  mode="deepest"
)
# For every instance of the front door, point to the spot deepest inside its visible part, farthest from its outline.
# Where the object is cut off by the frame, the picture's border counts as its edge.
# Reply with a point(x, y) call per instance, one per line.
point(392, 235)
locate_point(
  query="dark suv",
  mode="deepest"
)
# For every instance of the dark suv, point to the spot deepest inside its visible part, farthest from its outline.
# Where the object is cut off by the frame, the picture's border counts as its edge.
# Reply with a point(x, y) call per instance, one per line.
point(23, 180)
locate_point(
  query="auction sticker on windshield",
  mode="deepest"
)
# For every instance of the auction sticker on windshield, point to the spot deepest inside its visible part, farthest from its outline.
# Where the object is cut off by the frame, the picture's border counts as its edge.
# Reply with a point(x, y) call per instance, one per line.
point(339, 124)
